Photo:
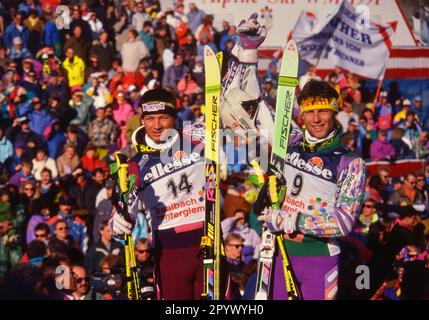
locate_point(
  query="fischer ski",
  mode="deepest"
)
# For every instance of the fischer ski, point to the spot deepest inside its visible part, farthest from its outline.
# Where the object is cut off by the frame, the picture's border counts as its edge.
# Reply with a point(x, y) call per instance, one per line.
point(211, 242)
point(284, 108)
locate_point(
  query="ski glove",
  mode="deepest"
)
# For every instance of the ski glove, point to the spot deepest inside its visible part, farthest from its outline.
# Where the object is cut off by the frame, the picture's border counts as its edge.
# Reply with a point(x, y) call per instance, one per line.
point(278, 220)
point(120, 226)
point(276, 185)
point(250, 35)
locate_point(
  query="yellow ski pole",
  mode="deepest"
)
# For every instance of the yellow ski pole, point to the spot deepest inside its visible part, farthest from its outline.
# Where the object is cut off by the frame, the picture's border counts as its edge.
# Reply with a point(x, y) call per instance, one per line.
point(131, 274)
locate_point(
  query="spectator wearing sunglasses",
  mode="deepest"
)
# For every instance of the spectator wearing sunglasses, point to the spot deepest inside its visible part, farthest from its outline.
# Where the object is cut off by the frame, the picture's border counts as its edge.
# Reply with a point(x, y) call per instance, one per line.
point(41, 213)
point(384, 173)
point(61, 232)
point(76, 226)
point(42, 232)
point(368, 216)
point(83, 291)
point(144, 259)
point(234, 244)
point(408, 194)
point(28, 195)
point(105, 246)
point(424, 188)
point(238, 224)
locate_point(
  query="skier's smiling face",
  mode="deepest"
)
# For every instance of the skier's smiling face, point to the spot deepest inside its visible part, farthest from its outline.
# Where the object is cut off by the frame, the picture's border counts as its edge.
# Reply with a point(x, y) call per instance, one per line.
point(319, 123)
point(156, 124)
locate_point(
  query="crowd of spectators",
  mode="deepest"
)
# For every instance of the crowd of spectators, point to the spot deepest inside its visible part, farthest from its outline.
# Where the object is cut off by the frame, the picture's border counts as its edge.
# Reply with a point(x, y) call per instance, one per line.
point(69, 96)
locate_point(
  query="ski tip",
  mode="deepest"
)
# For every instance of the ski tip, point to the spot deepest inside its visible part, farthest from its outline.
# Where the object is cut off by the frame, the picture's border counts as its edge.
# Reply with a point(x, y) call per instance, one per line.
point(208, 51)
point(291, 45)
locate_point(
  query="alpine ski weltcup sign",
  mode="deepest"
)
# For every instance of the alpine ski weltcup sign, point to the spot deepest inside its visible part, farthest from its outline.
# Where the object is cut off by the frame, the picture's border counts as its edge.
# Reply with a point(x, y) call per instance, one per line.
point(280, 16)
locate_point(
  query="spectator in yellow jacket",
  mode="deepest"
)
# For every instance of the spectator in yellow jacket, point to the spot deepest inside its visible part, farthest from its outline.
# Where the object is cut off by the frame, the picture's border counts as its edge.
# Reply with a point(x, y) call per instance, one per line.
point(75, 69)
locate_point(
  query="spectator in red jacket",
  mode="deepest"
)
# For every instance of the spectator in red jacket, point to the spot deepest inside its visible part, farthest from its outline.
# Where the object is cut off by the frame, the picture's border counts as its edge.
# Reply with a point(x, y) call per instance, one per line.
point(90, 160)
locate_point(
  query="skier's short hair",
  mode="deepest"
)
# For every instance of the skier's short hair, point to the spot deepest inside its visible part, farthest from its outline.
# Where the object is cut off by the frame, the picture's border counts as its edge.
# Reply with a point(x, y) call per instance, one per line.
point(318, 94)
point(317, 88)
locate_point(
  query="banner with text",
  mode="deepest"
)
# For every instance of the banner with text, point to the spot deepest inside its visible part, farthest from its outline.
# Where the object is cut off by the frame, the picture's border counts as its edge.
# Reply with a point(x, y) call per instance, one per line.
point(343, 39)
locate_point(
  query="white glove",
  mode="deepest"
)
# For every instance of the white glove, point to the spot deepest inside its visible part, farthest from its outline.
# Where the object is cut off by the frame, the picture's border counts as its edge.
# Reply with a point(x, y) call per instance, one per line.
point(278, 220)
point(250, 35)
point(120, 226)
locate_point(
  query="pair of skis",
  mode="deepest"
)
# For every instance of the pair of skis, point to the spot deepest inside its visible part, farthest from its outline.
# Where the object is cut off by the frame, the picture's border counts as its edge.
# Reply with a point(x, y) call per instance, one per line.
point(211, 243)
point(284, 108)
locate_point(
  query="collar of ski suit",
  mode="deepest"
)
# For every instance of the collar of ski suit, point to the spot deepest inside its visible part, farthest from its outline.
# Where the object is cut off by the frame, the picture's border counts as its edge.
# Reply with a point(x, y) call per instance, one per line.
point(148, 145)
point(312, 144)
point(162, 146)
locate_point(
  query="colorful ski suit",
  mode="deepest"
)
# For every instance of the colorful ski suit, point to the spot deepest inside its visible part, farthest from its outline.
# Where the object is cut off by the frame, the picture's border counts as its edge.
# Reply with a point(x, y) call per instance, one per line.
point(326, 188)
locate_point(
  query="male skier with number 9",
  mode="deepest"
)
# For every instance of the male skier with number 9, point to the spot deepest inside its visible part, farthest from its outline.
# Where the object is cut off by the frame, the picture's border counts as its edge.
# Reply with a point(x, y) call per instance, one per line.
point(324, 180)
point(324, 189)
